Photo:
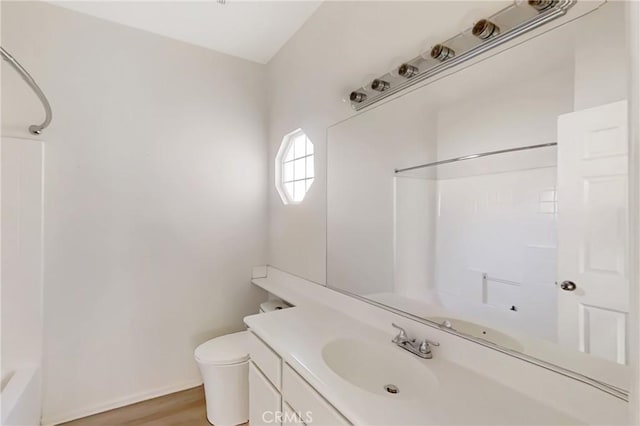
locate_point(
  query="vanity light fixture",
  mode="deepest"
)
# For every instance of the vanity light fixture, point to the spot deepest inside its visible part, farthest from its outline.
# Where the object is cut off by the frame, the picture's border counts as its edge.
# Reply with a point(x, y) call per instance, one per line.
point(542, 5)
point(380, 85)
point(357, 97)
point(518, 18)
point(484, 29)
point(408, 71)
point(442, 52)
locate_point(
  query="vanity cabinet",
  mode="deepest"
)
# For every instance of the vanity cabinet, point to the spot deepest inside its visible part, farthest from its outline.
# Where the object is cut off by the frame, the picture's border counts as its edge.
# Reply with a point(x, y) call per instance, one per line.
point(290, 417)
point(264, 399)
point(268, 362)
point(307, 401)
point(279, 395)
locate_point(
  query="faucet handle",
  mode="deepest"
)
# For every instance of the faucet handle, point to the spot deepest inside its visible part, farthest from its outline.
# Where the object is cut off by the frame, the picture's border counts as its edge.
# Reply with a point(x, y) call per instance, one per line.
point(402, 335)
point(425, 346)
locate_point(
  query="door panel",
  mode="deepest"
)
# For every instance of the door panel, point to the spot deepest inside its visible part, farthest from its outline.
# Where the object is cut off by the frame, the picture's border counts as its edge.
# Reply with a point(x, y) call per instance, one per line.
point(603, 332)
point(593, 231)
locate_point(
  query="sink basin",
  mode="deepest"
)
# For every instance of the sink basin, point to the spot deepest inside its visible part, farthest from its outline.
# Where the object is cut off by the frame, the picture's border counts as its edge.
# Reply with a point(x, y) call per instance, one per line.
point(375, 367)
point(482, 332)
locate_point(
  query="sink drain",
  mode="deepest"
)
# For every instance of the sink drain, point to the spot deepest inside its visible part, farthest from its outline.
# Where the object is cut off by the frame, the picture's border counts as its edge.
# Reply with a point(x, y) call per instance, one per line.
point(391, 388)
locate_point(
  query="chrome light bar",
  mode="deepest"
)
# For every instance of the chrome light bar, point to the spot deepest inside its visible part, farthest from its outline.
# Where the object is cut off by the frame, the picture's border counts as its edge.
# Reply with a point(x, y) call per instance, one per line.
point(501, 27)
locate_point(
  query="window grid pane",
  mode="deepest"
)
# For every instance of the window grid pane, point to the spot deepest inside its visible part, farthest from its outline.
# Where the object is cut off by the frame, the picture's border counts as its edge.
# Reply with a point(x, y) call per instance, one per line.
point(289, 155)
point(297, 167)
point(299, 190)
point(297, 158)
point(287, 174)
point(299, 146)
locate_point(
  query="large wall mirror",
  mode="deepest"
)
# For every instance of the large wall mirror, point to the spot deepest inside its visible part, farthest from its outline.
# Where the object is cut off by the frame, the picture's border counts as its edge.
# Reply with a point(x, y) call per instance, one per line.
point(493, 202)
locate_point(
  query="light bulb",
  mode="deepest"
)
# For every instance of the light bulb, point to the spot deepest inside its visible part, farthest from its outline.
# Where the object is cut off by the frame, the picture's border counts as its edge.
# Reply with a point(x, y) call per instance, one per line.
point(442, 52)
point(484, 29)
point(542, 5)
point(407, 71)
point(357, 97)
point(380, 85)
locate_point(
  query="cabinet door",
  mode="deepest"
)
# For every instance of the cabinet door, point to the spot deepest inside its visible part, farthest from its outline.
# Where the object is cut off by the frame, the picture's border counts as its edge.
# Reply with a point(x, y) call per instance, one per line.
point(264, 399)
point(312, 408)
point(266, 360)
point(289, 416)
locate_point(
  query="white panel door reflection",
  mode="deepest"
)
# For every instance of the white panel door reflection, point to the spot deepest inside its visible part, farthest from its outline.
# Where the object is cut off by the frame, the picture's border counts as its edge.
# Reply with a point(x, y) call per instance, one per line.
point(593, 231)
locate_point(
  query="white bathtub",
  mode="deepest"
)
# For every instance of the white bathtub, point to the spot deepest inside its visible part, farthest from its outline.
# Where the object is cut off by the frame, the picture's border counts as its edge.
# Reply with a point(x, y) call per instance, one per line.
point(21, 397)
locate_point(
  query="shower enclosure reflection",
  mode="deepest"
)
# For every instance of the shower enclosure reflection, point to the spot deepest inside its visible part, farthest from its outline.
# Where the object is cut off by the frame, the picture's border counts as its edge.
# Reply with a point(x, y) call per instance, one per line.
point(524, 248)
point(492, 236)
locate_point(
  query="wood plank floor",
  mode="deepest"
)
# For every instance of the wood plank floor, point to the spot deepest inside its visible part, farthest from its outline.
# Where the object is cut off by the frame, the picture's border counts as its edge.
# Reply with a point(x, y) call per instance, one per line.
point(180, 408)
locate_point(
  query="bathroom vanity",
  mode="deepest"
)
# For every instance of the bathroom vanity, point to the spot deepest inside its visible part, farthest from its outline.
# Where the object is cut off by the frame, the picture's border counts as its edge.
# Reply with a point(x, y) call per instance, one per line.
point(333, 355)
point(329, 369)
point(275, 388)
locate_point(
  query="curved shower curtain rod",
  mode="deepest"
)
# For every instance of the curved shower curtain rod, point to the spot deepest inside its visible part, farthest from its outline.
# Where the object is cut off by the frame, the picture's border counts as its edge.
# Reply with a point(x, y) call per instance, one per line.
point(35, 129)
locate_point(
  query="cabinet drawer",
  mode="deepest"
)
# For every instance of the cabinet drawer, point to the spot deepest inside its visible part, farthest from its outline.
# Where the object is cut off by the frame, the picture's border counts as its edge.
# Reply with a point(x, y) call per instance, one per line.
point(266, 359)
point(306, 400)
point(264, 400)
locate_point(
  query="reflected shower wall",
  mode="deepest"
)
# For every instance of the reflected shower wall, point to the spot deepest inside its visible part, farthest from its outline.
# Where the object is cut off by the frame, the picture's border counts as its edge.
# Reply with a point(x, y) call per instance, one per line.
point(477, 238)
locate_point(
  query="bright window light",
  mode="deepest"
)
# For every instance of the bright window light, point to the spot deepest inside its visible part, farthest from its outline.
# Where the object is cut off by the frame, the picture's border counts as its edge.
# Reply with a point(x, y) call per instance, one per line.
point(294, 167)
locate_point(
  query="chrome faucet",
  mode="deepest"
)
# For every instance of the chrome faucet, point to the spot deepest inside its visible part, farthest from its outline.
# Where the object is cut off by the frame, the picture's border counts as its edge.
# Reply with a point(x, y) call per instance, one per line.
point(422, 349)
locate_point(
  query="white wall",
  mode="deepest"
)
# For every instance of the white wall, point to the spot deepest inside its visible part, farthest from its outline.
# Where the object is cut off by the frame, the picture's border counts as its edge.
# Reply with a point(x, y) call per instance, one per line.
point(362, 156)
point(599, 55)
point(330, 55)
point(155, 200)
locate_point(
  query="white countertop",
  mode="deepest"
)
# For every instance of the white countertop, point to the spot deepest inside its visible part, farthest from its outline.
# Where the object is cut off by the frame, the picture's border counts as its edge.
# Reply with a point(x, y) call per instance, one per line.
point(462, 396)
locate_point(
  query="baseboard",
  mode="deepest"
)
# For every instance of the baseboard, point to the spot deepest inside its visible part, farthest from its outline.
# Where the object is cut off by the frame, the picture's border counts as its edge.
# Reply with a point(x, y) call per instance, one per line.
point(117, 403)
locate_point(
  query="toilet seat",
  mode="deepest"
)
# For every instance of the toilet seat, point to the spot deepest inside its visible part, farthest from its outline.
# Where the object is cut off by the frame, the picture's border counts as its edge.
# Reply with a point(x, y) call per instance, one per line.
point(224, 350)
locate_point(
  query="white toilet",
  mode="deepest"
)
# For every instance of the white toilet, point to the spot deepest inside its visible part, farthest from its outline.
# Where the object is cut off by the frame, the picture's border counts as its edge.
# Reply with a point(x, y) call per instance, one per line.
point(224, 366)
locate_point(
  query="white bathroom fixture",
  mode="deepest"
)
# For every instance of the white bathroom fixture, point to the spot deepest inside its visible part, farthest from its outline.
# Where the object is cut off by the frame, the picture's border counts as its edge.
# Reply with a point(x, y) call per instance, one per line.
point(375, 368)
point(421, 348)
point(319, 366)
point(224, 366)
point(464, 370)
